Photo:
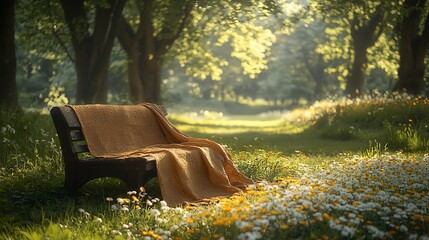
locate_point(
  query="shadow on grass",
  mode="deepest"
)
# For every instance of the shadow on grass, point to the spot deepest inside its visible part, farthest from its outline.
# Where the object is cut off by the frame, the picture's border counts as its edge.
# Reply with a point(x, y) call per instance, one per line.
point(32, 199)
point(309, 141)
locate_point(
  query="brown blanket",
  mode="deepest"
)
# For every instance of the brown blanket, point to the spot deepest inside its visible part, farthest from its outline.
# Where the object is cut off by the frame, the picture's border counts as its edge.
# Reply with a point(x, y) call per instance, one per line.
point(189, 169)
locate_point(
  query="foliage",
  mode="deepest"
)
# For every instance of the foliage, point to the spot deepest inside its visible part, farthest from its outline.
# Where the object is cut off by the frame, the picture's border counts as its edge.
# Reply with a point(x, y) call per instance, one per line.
point(293, 69)
point(340, 17)
point(230, 50)
point(56, 97)
point(238, 26)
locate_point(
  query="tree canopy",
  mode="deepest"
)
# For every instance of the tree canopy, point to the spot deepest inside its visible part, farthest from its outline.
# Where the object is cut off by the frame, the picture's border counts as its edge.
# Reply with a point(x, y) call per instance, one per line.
point(279, 51)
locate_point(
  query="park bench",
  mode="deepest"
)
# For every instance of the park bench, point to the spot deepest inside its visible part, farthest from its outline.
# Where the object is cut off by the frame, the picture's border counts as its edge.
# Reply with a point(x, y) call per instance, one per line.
point(80, 167)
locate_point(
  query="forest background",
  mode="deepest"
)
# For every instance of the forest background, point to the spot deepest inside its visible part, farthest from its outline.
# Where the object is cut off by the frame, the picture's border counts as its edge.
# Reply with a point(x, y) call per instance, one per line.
point(185, 52)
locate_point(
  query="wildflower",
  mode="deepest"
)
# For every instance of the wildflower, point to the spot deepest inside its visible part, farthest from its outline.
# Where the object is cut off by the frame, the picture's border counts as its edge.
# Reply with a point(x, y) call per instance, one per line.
point(178, 210)
point(403, 228)
point(174, 228)
point(99, 220)
point(375, 232)
point(249, 235)
point(81, 210)
point(163, 203)
point(348, 232)
point(131, 193)
point(327, 217)
point(155, 212)
point(109, 199)
point(318, 216)
point(151, 235)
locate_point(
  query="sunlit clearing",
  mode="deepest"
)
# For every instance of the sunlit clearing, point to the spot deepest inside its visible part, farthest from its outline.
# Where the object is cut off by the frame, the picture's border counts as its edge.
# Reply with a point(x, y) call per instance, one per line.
point(232, 124)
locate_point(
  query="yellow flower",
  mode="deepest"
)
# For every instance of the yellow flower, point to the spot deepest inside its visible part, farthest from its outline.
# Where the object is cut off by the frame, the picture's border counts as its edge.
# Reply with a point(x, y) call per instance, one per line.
point(151, 234)
point(304, 222)
point(284, 226)
point(218, 222)
point(327, 217)
point(418, 217)
point(217, 236)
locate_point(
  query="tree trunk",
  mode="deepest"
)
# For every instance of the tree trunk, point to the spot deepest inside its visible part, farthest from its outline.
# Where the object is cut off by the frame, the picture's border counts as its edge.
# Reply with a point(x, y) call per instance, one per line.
point(144, 59)
point(92, 51)
point(146, 50)
point(317, 72)
point(152, 78)
point(136, 86)
point(8, 91)
point(150, 59)
point(412, 49)
point(364, 35)
point(356, 79)
point(130, 42)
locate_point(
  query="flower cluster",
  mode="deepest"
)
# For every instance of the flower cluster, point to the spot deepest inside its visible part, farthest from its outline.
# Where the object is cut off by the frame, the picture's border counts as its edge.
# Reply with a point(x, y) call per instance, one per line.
point(386, 197)
point(146, 217)
point(357, 197)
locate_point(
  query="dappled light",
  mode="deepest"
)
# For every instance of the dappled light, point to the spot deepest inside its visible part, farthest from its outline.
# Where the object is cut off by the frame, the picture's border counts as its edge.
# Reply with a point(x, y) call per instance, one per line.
point(217, 123)
point(332, 169)
point(320, 105)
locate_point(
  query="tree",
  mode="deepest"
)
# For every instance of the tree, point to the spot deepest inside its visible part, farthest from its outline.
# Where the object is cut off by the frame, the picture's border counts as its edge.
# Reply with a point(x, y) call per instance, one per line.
point(188, 30)
point(92, 49)
point(146, 46)
point(355, 31)
point(413, 46)
point(309, 35)
point(364, 35)
point(8, 92)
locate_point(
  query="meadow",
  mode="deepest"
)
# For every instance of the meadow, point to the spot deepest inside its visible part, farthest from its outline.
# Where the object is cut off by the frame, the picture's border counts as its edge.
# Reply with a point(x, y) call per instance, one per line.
point(338, 169)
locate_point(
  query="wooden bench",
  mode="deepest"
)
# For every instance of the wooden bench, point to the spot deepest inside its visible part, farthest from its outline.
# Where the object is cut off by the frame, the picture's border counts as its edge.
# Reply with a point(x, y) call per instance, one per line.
point(81, 167)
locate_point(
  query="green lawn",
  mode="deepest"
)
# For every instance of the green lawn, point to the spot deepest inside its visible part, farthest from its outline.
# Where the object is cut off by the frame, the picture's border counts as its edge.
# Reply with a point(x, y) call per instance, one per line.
point(319, 174)
point(241, 132)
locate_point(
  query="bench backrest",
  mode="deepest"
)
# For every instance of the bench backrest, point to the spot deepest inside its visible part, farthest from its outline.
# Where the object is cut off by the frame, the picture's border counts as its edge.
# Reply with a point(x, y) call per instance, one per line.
point(69, 132)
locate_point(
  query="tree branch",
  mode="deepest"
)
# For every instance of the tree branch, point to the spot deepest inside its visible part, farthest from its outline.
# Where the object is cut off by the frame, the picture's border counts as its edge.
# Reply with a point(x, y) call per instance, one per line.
point(164, 44)
point(56, 35)
point(125, 34)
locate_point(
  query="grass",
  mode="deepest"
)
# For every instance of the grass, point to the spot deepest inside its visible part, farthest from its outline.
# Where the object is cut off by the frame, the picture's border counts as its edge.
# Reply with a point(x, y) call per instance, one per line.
point(327, 171)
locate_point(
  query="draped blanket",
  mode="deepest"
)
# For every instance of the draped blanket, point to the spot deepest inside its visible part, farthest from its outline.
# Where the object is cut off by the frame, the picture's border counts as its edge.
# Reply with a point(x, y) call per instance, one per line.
point(189, 169)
